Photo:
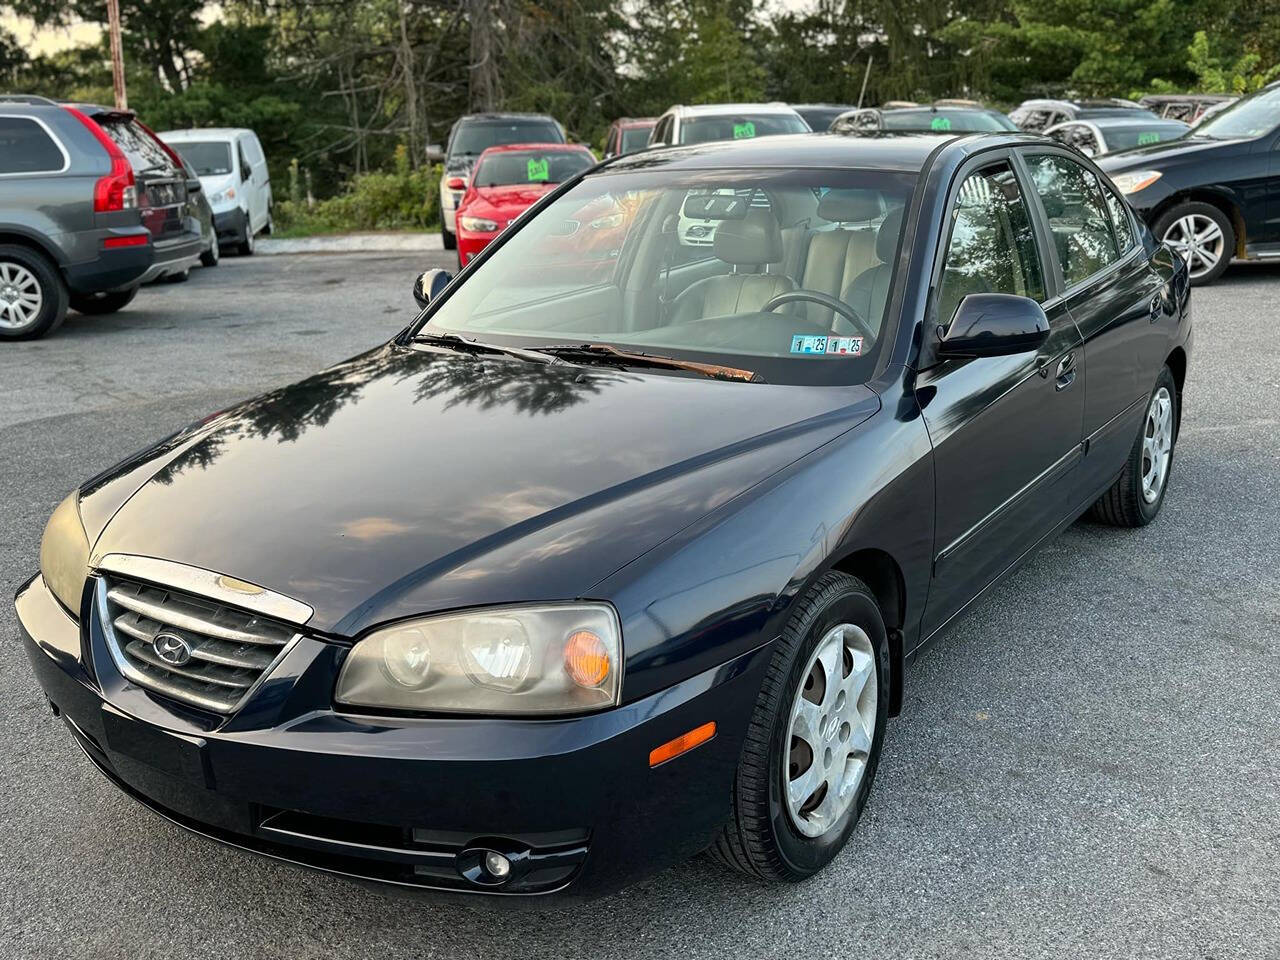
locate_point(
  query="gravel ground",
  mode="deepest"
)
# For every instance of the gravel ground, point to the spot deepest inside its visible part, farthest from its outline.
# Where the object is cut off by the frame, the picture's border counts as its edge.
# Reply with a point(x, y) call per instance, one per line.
point(1086, 766)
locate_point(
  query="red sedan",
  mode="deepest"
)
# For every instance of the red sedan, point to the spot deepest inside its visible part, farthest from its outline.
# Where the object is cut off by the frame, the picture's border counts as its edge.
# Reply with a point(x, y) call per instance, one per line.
point(507, 180)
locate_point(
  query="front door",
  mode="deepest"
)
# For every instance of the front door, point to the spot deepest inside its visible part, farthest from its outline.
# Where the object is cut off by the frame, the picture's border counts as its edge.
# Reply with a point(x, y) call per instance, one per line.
point(1006, 431)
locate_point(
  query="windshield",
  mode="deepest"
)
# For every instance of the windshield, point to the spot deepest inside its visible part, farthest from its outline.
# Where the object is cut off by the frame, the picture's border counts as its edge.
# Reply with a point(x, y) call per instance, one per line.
point(944, 121)
point(739, 126)
point(611, 262)
point(820, 118)
point(1251, 117)
point(207, 159)
point(531, 167)
point(635, 138)
point(476, 136)
point(1139, 135)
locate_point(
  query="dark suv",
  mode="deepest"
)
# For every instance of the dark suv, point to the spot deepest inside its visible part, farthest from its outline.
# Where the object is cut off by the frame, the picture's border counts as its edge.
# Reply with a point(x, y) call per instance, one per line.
point(92, 205)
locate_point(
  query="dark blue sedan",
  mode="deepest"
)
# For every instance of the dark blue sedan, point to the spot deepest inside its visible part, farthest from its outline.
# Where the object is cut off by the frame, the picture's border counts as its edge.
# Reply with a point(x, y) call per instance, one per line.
point(618, 552)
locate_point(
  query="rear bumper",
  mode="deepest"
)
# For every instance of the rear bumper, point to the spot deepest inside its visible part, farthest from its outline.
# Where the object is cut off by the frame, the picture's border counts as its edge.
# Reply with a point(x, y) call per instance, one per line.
point(113, 269)
point(401, 801)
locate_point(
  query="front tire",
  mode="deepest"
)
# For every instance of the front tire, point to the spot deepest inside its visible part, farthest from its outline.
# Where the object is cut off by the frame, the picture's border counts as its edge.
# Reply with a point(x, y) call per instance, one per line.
point(248, 244)
point(815, 738)
point(1135, 498)
point(211, 256)
point(33, 298)
point(96, 304)
point(1202, 235)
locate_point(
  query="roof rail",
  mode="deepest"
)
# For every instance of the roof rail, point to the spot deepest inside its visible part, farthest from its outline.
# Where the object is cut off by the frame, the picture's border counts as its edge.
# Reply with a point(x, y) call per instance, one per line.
point(31, 98)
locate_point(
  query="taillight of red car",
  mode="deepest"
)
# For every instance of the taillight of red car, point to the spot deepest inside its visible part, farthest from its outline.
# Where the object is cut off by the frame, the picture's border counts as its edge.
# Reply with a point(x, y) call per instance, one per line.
point(118, 189)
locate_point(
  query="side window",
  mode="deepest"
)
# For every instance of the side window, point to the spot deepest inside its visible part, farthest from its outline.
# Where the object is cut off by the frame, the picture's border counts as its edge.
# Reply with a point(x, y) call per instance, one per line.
point(1078, 216)
point(992, 247)
point(664, 130)
point(245, 169)
point(1120, 221)
point(26, 148)
point(1061, 134)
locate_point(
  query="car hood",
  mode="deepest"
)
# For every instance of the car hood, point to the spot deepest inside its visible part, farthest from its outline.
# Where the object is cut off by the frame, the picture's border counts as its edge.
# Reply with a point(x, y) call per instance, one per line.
point(1184, 148)
point(410, 479)
point(508, 201)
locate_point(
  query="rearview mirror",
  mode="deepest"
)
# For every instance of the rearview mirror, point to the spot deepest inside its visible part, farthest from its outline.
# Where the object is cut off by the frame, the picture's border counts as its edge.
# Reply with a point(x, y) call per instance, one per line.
point(435, 153)
point(994, 325)
point(429, 284)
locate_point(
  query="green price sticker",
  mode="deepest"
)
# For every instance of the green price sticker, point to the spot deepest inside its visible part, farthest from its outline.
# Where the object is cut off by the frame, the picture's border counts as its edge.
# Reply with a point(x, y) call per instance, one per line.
point(539, 168)
point(1145, 138)
point(744, 131)
point(940, 123)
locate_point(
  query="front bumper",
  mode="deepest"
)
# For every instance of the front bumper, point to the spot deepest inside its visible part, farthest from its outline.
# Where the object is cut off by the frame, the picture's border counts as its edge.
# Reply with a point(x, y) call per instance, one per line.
point(406, 801)
point(230, 225)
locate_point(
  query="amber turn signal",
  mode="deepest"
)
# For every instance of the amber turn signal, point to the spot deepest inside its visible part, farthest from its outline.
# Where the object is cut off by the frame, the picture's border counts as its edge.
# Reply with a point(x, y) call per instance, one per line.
point(586, 659)
point(682, 744)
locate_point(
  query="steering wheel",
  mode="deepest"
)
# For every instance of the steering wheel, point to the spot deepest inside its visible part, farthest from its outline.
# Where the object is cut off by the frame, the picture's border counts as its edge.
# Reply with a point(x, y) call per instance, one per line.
point(830, 302)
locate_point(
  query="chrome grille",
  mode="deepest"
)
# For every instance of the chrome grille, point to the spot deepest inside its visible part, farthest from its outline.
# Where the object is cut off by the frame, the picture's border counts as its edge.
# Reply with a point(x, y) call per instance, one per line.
point(225, 651)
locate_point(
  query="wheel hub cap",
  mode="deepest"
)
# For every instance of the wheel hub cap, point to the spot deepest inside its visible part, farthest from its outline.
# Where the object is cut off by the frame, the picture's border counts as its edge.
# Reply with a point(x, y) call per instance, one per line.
point(831, 727)
point(20, 296)
point(1157, 444)
point(1199, 241)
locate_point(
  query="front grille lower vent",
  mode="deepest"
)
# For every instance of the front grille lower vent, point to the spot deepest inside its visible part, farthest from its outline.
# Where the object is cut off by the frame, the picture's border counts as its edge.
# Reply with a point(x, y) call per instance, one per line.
point(209, 656)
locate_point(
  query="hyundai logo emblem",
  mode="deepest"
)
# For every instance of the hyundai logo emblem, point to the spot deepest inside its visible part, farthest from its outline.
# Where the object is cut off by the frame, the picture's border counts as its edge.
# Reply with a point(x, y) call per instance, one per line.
point(171, 648)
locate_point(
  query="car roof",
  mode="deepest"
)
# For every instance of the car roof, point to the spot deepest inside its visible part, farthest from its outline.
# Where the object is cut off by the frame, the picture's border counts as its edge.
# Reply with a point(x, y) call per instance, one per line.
point(816, 151)
point(547, 147)
point(719, 109)
point(205, 133)
point(503, 115)
point(636, 121)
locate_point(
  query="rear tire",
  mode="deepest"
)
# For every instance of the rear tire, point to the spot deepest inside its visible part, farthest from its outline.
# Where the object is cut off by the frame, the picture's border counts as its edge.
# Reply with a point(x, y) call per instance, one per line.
point(211, 256)
point(248, 244)
point(1135, 498)
point(97, 304)
point(770, 836)
point(1199, 232)
point(450, 240)
point(33, 297)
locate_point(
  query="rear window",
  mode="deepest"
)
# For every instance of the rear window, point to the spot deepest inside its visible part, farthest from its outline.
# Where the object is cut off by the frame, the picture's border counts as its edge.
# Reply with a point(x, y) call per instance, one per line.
point(145, 154)
point(476, 136)
point(530, 166)
point(635, 138)
point(25, 147)
point(208, 158)
point(945, 121)
point(739, 127)
point(1123, 138)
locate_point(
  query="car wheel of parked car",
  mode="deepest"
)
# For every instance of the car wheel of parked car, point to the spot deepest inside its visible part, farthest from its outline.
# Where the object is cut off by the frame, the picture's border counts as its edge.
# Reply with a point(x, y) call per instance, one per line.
point(247, 244)
point(211, 256)
point(100, 303)
point(1203, 235)
point(1135, 498)
point(33, 298)
point(450, 239)
point(814, 741)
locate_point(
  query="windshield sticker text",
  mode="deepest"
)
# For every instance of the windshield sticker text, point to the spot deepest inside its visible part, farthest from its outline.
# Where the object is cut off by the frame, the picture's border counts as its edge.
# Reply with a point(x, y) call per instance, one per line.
point(848, 345)
point(742, 131)
point(539, 168)
point(801, 343)
point(1145, 138)
point(940, 123)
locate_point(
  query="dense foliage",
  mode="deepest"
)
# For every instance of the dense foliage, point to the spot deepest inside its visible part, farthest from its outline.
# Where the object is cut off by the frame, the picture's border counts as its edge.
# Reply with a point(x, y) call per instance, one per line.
point(353, 91)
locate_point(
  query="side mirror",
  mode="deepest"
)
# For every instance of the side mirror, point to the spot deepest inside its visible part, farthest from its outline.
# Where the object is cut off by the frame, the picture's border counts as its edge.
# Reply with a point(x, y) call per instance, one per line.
point(994, 325)
point(456, 183)
point(435, 153)
point(193, 186)
point(429, 284)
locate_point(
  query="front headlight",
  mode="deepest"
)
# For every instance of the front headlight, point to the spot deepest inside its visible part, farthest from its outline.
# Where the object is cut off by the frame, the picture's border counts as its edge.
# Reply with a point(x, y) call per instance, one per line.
point(519, 660)
point(1133, 182)
point(478, 225)
point(64, 554)
point(227, 194)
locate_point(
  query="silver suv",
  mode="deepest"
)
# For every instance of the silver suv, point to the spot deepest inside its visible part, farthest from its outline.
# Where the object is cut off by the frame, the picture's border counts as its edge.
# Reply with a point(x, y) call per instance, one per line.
point(92, 205)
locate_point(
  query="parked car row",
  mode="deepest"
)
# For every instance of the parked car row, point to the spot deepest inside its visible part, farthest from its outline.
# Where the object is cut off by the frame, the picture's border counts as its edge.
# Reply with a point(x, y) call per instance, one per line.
point(93, 204)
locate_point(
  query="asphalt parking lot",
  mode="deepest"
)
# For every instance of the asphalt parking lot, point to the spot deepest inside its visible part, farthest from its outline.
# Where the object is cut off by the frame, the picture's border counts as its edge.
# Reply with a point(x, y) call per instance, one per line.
point(1087, 766)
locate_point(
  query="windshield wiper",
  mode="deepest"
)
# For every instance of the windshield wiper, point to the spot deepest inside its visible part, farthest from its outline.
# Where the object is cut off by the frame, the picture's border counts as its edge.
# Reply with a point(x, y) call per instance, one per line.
point(477, 346)
point(604, 353)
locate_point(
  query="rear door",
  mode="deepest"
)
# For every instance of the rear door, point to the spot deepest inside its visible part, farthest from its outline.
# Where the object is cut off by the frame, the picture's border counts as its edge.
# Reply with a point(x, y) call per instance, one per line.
point(1005, 430)
point(1117, 299)
point(259, 182)
point(161, 181)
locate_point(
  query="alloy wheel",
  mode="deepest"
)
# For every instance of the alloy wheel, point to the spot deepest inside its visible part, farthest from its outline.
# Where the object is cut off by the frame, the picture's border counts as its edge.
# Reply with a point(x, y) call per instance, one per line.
point(21, 296)
point(1157, 444)
point(1199, 241)
point(831, 729)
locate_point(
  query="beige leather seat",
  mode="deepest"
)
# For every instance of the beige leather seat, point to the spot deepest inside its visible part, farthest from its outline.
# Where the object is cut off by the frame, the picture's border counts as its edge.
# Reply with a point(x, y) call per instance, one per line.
point(750, 243)
point(870, 290)
point(836, 257)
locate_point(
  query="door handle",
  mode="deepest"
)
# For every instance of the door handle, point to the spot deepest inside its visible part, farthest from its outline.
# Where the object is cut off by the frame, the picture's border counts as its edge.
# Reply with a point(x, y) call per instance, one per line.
point(1066, 372)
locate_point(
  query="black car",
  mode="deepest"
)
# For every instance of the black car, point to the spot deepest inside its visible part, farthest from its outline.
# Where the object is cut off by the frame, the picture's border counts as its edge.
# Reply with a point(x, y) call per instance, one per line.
point(618, 551)
point(1213, 194)
point(939, 118)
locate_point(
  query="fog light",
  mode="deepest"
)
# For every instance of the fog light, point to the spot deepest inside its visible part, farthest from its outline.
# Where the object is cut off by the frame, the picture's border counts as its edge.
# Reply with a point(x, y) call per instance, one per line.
point(496, 865)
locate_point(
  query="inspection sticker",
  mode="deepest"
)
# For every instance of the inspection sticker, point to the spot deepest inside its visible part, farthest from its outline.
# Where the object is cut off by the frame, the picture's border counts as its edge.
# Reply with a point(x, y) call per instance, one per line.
point(850, 345)
point(539, 168)
point(801, 343)
point(744, 131)
point(940, 123)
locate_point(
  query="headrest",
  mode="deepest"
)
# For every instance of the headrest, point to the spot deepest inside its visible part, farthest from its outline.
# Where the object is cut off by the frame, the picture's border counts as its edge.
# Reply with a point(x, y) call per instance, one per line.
point(887, 235)
point(845, 206)
point(753, 239)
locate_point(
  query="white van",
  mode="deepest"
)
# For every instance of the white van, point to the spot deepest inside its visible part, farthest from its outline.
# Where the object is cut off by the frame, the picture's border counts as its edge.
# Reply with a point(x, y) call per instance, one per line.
point(233, 172)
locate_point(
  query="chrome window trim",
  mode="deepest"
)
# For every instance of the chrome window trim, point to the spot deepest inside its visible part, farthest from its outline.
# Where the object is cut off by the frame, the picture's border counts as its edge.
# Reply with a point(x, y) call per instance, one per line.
point(103, 613)
point(66, 157)
point(209, 584)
